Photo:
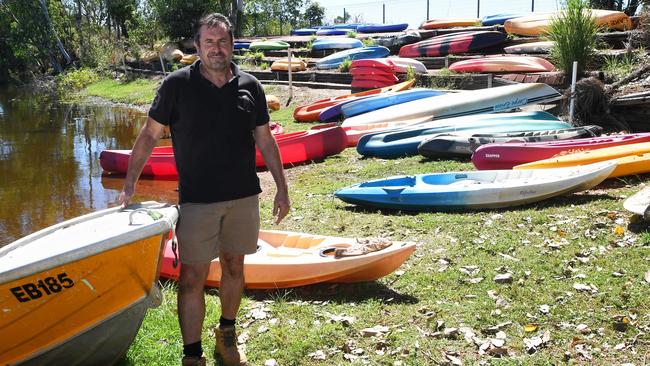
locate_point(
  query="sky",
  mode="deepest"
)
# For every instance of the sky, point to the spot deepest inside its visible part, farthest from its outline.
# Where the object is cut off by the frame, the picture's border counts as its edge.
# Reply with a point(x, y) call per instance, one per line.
point(414, 12)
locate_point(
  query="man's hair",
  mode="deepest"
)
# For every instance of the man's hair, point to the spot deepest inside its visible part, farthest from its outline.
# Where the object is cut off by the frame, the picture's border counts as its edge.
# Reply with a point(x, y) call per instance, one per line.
point(213, 20)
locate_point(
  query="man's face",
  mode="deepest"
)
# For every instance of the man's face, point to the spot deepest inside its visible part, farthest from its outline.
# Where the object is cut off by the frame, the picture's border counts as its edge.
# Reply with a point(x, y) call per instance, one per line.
point(215, 48)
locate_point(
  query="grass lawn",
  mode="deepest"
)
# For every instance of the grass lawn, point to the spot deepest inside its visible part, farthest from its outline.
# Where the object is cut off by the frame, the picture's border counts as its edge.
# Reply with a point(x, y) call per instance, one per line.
point(139, 91)
point(578, 295)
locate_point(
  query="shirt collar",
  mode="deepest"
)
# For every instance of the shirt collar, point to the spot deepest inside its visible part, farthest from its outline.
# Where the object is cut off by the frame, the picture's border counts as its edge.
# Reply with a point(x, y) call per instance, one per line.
point(196, 73)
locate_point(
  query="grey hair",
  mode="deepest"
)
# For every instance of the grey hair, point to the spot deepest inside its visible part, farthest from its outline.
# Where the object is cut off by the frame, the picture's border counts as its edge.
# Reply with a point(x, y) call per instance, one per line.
point(213, 20)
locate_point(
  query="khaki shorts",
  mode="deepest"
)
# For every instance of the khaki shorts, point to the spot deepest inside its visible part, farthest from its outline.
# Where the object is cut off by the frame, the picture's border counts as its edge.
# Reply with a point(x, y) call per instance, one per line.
point(205, 229)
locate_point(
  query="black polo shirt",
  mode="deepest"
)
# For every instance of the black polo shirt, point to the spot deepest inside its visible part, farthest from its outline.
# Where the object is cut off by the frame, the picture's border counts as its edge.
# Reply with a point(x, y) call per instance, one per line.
point(212, 132)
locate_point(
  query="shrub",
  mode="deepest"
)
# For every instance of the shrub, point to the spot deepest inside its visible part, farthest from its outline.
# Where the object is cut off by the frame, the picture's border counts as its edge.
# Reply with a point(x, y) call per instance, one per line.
point(574, 33)
point(351, 35)
point(76, 79)
point(368, 42)
point(345, 65)
point(410, 73)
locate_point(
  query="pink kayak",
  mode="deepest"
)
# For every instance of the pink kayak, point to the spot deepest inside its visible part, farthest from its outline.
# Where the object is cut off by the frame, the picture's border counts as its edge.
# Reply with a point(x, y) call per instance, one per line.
point(507, 155)
point(295, 148)
point(503, 64)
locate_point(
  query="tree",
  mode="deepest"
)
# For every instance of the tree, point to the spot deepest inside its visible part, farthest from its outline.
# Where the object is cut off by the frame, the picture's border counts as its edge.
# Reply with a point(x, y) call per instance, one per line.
point(178, 17)
point(629, 6)
point(121, 11)
point(314, 14)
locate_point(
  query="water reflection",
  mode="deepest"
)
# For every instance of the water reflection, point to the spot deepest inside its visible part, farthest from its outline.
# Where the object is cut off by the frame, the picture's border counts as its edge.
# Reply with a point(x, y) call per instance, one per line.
point(49, 167)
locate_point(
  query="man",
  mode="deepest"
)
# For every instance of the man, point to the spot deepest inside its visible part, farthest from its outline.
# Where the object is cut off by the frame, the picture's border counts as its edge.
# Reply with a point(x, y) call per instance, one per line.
point(217, 114)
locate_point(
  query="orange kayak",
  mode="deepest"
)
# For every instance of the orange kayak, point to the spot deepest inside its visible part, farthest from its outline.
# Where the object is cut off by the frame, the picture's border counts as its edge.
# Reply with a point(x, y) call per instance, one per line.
point(450, 22)
point(311, 112)
point(288, 259)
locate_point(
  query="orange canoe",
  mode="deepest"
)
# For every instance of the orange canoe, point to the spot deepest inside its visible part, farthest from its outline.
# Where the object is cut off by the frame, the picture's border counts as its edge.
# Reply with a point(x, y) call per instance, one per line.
point(288, 259)
point(311, 112)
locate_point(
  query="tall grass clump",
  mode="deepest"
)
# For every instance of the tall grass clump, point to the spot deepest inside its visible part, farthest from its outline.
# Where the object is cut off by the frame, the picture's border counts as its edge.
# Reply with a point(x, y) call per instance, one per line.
point(574, 33)
point(345, 65)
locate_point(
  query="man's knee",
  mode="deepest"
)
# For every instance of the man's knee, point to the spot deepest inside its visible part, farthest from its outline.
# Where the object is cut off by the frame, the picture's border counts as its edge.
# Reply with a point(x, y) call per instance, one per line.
point(232, 265)
point(192, 277)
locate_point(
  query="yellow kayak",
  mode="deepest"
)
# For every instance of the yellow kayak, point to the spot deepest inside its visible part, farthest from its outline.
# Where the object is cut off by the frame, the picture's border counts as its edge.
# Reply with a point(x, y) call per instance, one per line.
point(538, 24)
point(283, 65)
point(632, 159)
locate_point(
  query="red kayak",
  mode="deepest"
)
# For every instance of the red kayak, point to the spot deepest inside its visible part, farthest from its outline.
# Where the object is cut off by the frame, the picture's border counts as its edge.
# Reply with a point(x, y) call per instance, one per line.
point(507, 155)
point(379, 63)
point(454, 43)
point(369, 83)
point(295, 148)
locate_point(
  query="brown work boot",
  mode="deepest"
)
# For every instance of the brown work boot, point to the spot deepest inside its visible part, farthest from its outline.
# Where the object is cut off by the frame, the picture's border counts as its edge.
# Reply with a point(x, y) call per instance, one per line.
point(226, 346)
point(193, 361)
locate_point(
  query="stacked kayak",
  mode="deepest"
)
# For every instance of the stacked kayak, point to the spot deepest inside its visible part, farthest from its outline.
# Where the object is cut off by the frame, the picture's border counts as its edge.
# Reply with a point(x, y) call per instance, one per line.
point(450, 23)
point(503, 64)
point(334, 60)
point(296, 64)
point(474, 189)
point(531, 47)
point(631, 159)
point(338, 43)
point(303, 31)
point(325, 31)
point(311, 112)
point(295, 148)
point(382, 28)
point(354, 133)
point(499, 19)
point(456, 145)
point(289, 259)
point(384, 100)
point(395, 42)
point(268, 45)
point(506, 156)
point(241, 45)
point(76, 292)
point(405, 141)
point(371, 74)
point(464, 103)
point(639, 203)
point(454, 43)
point(538, 24)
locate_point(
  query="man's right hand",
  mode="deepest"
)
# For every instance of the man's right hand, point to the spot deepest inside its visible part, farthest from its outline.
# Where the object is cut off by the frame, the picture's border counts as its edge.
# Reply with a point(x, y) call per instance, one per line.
point(125, 196)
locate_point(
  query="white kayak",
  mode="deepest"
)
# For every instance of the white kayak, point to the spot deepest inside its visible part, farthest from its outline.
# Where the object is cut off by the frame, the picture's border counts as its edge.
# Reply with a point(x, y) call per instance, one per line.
point(474, 189)
point(460, 104)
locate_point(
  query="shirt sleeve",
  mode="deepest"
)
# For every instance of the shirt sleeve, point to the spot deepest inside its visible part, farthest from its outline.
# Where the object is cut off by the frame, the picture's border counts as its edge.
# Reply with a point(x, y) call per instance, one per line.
point(262, 108)
point(162, 107)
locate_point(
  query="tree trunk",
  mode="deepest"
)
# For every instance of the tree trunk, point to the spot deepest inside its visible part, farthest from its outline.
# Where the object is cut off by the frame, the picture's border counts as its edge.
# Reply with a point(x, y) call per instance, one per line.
point(82, 47)
point(65, 54)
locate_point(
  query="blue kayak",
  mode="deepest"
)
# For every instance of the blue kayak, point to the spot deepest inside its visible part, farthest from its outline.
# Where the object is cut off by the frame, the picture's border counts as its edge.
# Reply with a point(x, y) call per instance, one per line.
point(334, 60)
point(334, 31)
point(405, 141)
point(337, 43)
point(474, 189)
point(333, 113)
point(304, 31)
point(375, 102)
point(241, 45)
point(382, 28)
point(500, 19)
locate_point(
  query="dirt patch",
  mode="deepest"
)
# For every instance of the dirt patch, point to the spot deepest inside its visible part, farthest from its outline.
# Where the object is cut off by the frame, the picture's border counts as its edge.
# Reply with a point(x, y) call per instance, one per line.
point(302, 95)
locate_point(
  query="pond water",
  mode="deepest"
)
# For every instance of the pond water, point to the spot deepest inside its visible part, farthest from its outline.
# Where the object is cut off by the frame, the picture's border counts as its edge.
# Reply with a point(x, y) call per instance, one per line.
point(49, 161)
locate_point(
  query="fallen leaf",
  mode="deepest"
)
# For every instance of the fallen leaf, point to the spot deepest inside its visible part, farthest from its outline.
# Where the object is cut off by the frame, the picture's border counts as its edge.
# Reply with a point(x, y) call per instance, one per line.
point(647, 277)
point(544, 309)
point(318, 355)
point(583, 329)
point(270, 362)
point(528, 328)
point(375, 331)
point(619, 230)
point(503, 278)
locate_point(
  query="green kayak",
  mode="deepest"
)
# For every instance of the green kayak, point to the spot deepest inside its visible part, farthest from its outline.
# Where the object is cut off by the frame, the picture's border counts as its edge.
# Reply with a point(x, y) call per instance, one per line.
point(268, 45)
